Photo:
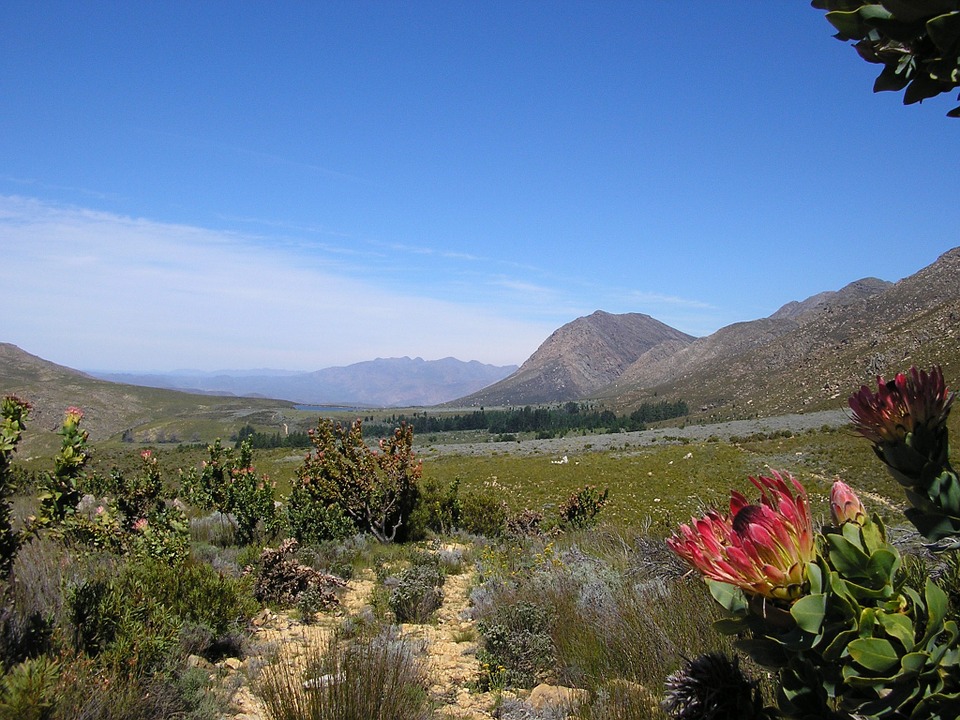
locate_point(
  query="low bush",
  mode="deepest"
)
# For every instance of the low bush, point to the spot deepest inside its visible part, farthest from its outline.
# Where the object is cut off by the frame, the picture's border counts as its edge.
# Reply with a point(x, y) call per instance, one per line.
point(418, 591)
point(484, 511)
point(517, 648)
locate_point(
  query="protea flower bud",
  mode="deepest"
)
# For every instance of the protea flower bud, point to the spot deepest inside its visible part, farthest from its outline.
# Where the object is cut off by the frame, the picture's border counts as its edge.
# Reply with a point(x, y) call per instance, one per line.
point(845, 506)
point(918, 401)
point(906, 420)
point(761, 548)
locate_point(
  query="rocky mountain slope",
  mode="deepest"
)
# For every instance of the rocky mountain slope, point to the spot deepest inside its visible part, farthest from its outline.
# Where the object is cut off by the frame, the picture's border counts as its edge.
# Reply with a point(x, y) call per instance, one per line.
point(578, 359)
point(810, 355)
point(664, 365)
point(384, 382)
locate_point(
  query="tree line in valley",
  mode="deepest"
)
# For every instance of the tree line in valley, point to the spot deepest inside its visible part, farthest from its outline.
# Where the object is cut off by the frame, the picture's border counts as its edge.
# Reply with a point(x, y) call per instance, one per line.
point(546, 422)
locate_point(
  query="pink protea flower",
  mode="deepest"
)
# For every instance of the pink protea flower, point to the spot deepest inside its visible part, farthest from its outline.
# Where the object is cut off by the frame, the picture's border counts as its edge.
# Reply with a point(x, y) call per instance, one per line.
point(140, 525)
point(761, 548)
point(73, 415)
point(845, 506)
point(900, 406)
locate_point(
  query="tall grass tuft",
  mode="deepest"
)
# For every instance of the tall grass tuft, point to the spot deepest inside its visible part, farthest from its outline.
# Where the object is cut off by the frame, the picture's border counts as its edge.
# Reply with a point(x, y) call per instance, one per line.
point(376, 678)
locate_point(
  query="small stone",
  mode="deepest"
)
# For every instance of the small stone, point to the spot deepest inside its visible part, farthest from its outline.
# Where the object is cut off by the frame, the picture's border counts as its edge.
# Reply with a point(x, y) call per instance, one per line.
point(195, 661)
point(545, 696)
point(233, 663)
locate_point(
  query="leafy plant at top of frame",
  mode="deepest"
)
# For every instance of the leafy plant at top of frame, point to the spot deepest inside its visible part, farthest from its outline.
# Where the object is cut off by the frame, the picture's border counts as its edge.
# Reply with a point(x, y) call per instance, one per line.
point(916, 41)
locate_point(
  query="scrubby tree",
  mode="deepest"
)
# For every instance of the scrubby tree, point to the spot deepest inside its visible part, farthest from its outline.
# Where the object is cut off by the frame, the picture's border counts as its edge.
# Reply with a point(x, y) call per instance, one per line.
point(376, 489)
point(228, 483)
point(916, 41)
point(60, 493)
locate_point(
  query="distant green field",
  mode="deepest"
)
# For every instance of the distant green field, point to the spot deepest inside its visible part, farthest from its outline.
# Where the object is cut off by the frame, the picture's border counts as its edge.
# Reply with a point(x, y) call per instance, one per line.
point(657, 486)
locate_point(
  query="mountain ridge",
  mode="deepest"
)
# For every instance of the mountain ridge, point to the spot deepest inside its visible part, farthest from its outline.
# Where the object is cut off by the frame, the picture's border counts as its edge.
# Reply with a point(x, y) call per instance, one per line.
point(578, 359)
point(383, 382)
point(815, 360)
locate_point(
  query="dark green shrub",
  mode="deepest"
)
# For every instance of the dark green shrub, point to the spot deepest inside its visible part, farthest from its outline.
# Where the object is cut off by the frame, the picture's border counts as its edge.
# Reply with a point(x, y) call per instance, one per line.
point(13, 414)
point(580, 510)
point(438, 508)
point(120, 625)
point(378, 490)
point(194, 592)
point(311, 519)
point(27, 690)
point(484, 512)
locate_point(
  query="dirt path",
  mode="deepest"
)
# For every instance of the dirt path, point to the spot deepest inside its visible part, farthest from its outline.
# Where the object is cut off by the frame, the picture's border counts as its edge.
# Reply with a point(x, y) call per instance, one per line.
point(448, 647)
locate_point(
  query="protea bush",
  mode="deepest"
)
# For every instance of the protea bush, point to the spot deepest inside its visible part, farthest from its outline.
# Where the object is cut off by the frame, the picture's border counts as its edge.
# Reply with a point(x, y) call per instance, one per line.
point(830, 612)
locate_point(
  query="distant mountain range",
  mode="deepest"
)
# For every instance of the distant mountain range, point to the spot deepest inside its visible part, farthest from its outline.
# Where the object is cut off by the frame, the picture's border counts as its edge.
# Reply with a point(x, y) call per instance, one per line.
point(808, 355)
point(384, 382)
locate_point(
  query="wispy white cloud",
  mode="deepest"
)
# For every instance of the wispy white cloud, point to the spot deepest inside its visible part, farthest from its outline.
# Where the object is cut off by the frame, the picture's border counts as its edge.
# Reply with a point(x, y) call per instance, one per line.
point(102, 291)
point(657, 299)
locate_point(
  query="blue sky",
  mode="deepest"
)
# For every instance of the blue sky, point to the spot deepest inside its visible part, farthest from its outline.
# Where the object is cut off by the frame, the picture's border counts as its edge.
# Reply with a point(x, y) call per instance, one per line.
point(298, 185)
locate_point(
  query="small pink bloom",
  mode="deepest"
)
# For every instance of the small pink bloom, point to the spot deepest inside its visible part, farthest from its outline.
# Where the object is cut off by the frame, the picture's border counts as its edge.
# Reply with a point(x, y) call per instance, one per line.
point(146, 454)
point(845, 506)
point(140, 525)
point(762, 548)
point(73, 414)
point(100, 510)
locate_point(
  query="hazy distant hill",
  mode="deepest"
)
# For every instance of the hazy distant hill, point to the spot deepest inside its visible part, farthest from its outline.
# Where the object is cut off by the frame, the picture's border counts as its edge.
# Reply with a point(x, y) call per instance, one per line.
point(111, 408)
point(578, 359)
point(384, 382)
point(810, 355)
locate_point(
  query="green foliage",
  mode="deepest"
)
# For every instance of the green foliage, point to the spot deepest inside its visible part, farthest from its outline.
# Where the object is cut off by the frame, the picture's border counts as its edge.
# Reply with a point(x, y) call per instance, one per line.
point(195, 592)
point(60, 494)
point(120, 625)
point(228, 483)
point(377, 490)
point(262, 441)
point(545, 421)
point(483, 511)
point(439, 508)
point(27, 690)
point(13, 414)
point(131, 620)
point(916, 41)
point(312, 518)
